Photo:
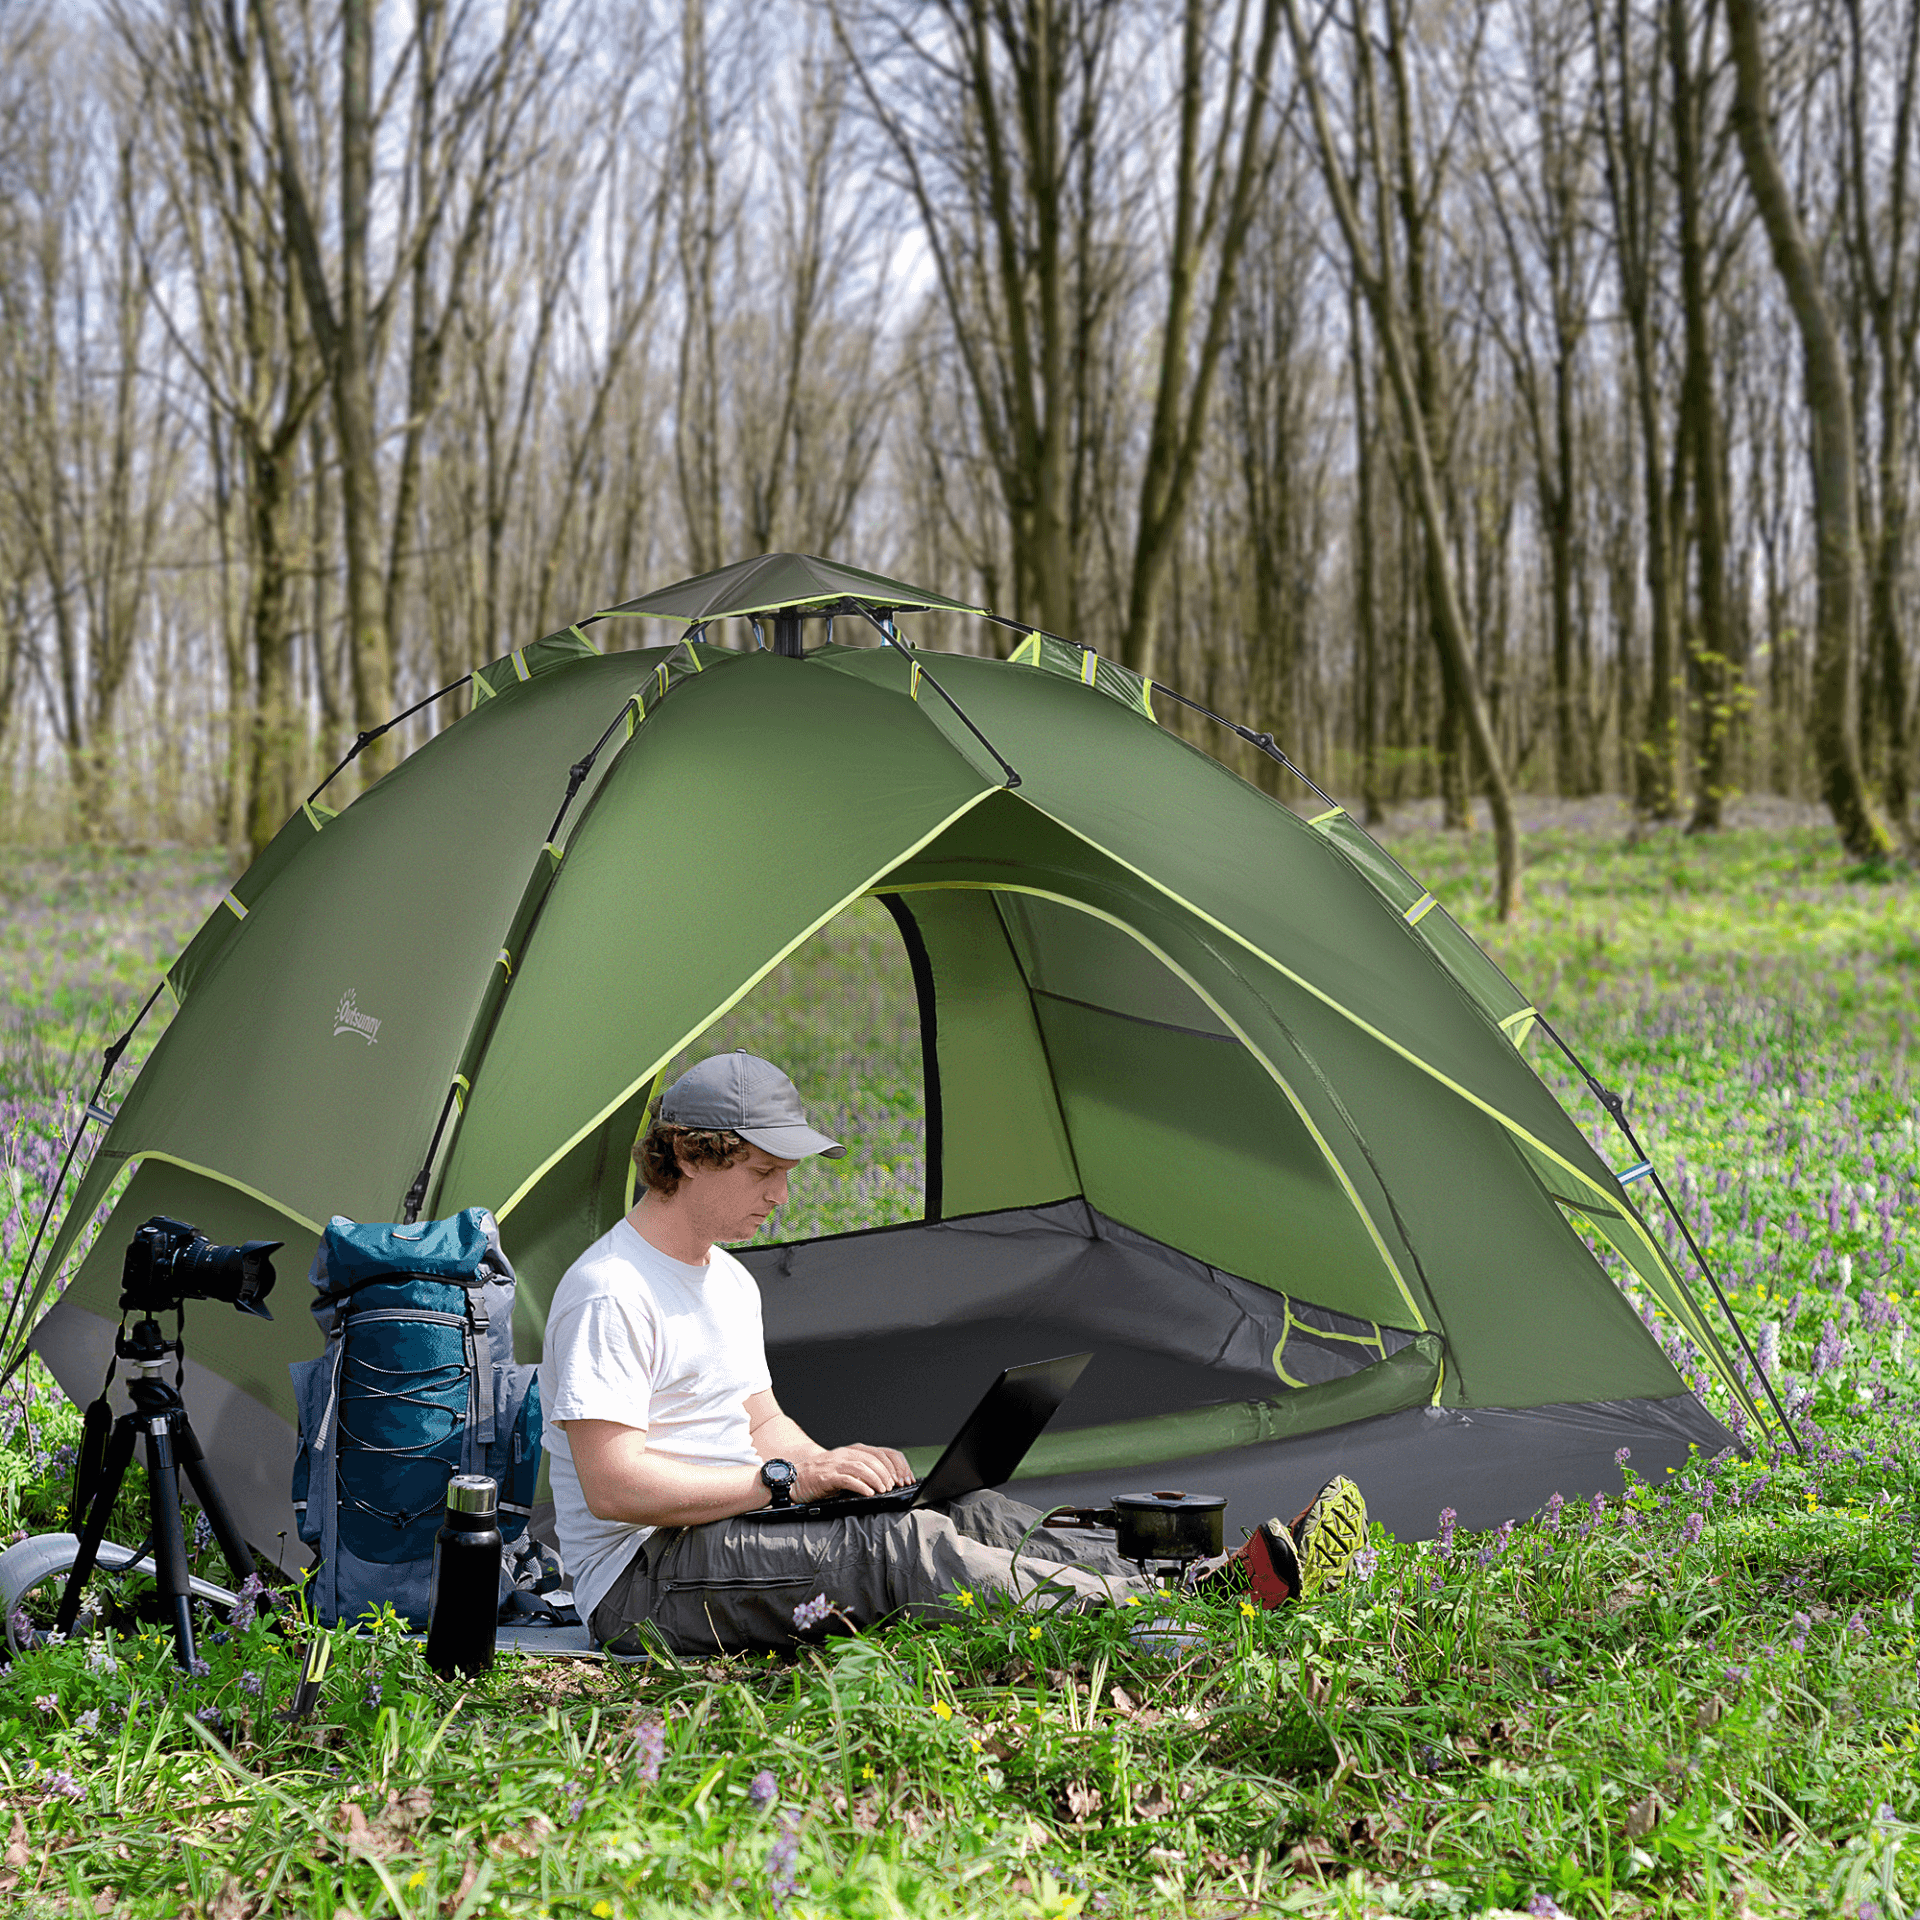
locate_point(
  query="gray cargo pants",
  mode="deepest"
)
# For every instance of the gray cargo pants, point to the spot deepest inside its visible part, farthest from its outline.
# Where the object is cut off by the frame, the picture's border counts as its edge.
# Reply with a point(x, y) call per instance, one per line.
point(732, 1585)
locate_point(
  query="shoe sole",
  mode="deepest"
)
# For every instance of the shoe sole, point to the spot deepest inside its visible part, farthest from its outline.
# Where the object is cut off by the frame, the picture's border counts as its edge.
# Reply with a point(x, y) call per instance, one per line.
point(1331, 1531)
point(1273, 1565)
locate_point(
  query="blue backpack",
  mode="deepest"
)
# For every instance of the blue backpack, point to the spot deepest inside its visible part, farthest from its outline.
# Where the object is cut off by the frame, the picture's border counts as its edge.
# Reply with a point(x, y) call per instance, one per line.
point(417, 1384)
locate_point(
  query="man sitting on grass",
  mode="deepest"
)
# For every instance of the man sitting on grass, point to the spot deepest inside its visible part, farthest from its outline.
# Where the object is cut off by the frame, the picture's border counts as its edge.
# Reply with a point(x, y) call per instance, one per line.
point(663, 1428)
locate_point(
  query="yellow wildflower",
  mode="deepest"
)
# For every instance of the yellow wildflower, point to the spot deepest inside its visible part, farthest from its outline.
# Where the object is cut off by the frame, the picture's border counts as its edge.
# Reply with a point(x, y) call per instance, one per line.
point(419, 1879)
point(965, 1598)
point(1033, 1633)
point(1248, 1609)
point(866, 1772)
point(601, 1908)
point(942, 1711)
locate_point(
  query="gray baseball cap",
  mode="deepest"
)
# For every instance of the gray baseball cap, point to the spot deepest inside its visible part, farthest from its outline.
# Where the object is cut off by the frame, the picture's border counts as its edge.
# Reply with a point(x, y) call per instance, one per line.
point(741, 1093)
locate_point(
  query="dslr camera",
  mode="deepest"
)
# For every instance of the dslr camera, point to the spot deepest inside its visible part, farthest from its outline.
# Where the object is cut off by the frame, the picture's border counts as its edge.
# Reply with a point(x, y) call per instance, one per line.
point(169, 1262)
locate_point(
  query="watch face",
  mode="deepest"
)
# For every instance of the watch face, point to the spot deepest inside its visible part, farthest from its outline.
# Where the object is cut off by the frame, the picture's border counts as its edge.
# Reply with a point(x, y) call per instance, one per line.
point(778, 1473)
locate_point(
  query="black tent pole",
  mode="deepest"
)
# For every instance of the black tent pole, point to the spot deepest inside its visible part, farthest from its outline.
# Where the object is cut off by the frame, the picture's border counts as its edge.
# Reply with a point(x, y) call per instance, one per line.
point(366, 739)
point(1614, 1105)
point(900, 647)
point(92, 1111)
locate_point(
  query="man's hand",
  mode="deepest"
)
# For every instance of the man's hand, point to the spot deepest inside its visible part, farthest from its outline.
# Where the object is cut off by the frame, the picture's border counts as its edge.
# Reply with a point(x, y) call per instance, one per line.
point(849, 1470)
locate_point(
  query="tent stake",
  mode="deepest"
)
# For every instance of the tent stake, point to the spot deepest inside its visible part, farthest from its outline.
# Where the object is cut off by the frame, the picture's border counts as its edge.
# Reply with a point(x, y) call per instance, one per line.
point(93, 1111)
point(1614, 1105)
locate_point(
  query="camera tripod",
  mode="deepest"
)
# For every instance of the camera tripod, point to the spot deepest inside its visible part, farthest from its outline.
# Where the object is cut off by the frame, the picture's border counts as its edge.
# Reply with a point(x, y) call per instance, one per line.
point(160, 1416)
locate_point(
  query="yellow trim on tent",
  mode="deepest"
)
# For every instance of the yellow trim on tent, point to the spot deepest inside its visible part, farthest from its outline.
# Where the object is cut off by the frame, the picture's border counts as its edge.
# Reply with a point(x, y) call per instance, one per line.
point(640, 1133)
point(1518, 1024)
point(1420, 909)
point(1027, 653)
point(1321, 819)
point(481, 691)
point(733, 999)
point(520, 668)
point(506, 960)
point(582, 638)
point(1089, 667)
point(1239, 1033)
point(231, 901)
point(913, 682)
point(225, 1180)
point(462, 1086)
point(1146, 701)
point(317, 816)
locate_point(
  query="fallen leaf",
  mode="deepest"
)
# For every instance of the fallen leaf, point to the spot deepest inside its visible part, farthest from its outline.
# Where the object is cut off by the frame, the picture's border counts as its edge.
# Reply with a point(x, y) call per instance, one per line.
point(16, 1854)
point(231, 1902)
point(1313, 1855)
point(866, 1811)
point(468, 1875)
point(1319, 1690)
point(106, 1900)
point(1713, 1710)
point(525, 1841)
point(405, 1811)
point(1152, 1804)
point(1642, 1816)
point(1167, 1856)
point(1123, 1702)
point(1081, 1801)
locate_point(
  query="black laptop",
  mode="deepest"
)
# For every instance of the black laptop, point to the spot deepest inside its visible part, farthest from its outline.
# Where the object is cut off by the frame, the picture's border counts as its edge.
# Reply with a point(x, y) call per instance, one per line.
point(991, 1443)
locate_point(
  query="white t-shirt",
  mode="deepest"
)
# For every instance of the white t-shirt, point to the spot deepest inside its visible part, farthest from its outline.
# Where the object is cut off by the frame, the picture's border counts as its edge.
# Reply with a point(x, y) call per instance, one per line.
point(651, 1342)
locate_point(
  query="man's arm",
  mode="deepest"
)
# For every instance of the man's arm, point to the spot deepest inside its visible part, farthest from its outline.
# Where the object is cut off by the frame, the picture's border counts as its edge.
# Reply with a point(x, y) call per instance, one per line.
point(621, 1480)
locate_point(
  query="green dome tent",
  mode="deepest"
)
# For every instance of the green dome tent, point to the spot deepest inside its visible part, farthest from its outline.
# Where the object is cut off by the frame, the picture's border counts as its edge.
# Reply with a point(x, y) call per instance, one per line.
point(1215, 1090)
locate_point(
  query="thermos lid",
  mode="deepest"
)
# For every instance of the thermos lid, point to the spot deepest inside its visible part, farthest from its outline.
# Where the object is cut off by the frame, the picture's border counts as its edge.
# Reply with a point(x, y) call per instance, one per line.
point(472, 1493)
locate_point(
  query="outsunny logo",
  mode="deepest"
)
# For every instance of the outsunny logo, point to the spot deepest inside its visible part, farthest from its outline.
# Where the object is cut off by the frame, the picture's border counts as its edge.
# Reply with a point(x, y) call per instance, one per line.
point(347, 1018)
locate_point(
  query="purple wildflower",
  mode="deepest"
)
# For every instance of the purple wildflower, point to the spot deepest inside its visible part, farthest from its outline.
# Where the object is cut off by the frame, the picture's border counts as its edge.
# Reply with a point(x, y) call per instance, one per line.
point(247, 1602)
point(100, 1657)
point(1691, 1530)
point(782, 1859)
point(1827, 1355)
point(1364, 1563)
point(373, 1691)
point(88, 1722)
point(649, 1749)
point(47, 1702)
point(253, 1684)
point(763, 1789)
point(810, 1613)
point(1798, 1639)
point(1554, 1504)
point(1542, 1905)
point(1448, 1518)
point(1599, 1507)
point(65, 1786)
point(1621, 1455)
point(211, 1717)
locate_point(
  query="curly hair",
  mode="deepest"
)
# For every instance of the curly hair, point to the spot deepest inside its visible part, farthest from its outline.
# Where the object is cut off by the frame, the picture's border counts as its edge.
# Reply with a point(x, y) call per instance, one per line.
point(659, 1152)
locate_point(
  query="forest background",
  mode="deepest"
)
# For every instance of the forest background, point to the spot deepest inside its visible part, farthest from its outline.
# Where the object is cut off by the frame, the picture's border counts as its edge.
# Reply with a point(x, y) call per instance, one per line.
point(1477, 397)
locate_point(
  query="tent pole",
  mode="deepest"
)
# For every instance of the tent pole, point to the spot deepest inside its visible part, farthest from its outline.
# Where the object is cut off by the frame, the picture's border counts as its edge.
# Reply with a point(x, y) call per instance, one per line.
point(21, 1305)
point(894, 641)
point(1614, 1105)
point(372, 734)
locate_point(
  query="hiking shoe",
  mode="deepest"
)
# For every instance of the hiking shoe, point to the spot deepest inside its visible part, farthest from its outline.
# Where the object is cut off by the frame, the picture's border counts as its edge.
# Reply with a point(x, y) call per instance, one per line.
point(1331, 1530)
point(1273, 1564)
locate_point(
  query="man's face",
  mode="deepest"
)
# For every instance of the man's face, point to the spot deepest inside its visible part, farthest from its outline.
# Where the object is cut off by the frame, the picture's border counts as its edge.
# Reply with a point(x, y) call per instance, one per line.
point(732, 1203)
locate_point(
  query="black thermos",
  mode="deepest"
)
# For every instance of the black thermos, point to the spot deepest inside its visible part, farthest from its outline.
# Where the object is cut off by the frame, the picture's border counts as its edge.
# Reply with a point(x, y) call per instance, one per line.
point(466, 1579)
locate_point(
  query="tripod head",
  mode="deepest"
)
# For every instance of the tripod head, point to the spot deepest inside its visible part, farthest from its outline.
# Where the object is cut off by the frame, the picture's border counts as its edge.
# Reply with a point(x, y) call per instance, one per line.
point(146, 1346)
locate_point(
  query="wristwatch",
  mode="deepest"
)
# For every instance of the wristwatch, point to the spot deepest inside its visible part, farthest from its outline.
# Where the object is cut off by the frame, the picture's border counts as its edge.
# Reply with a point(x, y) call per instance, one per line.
point(778, 1476)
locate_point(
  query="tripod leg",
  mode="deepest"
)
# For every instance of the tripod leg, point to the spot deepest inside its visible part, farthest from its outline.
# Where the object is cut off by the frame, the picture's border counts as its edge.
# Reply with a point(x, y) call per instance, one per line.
point(93, 1527)
point(169, 1543)
point(187, 1445)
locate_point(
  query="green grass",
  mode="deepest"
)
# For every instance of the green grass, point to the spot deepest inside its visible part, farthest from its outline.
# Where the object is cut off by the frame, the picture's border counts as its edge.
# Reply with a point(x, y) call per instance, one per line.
point(1702, 1698)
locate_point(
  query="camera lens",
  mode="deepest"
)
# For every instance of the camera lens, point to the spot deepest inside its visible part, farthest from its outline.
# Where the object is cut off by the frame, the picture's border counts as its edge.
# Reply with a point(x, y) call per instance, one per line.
point(242, 1275)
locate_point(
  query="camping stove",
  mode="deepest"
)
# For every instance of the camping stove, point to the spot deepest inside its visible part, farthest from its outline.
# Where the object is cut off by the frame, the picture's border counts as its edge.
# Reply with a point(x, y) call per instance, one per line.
point(1162, 1533)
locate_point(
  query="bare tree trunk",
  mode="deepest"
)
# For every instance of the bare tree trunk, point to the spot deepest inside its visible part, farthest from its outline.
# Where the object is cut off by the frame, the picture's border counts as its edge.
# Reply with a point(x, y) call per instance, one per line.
point(1377, 280)
point(1717, 660)
point(1836, 707)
